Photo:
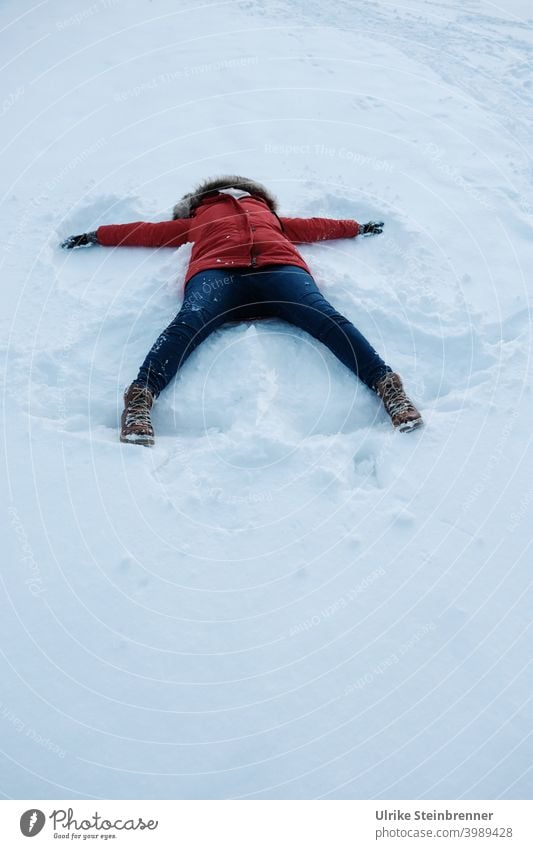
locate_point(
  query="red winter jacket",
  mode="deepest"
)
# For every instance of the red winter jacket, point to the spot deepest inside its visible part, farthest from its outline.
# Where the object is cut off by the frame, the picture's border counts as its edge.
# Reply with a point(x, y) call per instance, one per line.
point(231, 233)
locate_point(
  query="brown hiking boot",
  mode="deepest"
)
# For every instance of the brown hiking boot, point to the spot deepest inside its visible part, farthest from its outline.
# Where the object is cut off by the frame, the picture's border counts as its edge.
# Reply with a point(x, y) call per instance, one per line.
point(402, 411)
point(135, 424)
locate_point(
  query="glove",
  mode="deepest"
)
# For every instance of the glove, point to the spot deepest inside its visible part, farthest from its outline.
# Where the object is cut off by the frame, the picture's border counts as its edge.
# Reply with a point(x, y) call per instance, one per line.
point(84, 240)
point(371, 228)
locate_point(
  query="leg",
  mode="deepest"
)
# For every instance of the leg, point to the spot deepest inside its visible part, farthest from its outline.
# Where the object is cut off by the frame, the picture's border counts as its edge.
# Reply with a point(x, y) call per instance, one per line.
point(211, 298)
point(295, 297)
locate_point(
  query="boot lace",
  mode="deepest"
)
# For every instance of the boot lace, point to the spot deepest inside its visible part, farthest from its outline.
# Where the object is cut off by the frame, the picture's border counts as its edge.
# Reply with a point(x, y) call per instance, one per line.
point(394, 397)
point(138, 412)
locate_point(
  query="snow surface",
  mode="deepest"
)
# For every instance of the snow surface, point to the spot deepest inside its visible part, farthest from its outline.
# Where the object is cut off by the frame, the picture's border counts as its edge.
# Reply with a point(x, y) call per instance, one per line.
point(284, 598)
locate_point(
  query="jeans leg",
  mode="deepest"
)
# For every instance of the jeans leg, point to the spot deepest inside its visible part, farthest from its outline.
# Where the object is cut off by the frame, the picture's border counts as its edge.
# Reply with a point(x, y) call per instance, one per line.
point(295, 297)
point(211, 298)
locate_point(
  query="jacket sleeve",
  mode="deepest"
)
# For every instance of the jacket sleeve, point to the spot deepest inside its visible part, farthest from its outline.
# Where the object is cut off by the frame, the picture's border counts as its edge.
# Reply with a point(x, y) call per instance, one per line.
point(316, 229)
point(170, 234)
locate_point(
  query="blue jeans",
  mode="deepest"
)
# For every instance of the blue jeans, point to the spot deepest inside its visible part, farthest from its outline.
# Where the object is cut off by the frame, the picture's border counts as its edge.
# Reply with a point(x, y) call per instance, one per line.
point(286, 292)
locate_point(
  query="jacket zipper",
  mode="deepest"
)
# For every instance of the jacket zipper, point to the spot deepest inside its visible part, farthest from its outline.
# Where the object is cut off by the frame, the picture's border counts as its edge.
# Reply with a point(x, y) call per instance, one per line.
point(253, 257)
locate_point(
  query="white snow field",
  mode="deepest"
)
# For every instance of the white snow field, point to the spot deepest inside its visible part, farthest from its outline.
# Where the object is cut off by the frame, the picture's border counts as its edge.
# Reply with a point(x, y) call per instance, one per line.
point(284, 598)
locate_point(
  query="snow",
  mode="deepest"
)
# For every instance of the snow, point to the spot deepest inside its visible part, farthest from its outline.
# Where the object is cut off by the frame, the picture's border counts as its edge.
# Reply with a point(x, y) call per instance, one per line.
point(284, 598)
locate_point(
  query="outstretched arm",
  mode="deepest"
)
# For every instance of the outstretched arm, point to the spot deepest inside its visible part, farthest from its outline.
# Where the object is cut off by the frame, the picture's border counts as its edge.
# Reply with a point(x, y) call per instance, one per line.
point(317, 229)
point(169, 234)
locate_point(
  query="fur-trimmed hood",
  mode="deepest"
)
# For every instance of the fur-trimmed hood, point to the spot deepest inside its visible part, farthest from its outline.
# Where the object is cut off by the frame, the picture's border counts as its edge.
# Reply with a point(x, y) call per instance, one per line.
point(187, 205)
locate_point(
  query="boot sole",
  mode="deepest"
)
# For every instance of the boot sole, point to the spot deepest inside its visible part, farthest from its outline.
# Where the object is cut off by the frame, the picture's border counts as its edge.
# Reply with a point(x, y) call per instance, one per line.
point(409, 426)
point(147, 441)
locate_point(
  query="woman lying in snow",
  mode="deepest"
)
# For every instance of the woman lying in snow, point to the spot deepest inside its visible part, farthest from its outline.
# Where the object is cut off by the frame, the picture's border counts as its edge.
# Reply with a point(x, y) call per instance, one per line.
point(244, 265)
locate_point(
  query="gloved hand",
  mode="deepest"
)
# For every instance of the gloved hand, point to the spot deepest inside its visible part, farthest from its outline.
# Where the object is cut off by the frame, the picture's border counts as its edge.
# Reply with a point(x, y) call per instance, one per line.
point(371, 228)
point(81, 241)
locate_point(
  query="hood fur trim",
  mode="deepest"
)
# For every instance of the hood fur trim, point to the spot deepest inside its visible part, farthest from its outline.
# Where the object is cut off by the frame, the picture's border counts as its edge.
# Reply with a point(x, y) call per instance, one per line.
point(189, 202)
